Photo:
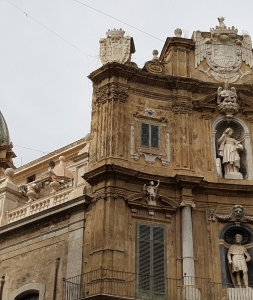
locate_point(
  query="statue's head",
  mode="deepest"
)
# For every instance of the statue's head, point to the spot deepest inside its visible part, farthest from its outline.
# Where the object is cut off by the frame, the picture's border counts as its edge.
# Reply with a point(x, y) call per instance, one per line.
point(238, 238)
point(229, 131)
point(238, 211)
point(151, 182)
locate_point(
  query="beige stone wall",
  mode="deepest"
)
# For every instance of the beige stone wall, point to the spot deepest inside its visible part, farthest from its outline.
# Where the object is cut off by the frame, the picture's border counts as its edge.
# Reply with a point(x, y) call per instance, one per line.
point(28, 253)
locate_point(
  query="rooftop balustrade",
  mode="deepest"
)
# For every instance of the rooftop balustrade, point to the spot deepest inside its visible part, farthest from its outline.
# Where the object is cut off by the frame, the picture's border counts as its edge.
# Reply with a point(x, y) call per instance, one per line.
point(41, 198)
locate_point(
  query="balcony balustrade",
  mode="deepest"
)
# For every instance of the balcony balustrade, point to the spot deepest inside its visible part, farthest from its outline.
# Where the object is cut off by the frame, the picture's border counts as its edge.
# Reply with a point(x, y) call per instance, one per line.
point(109, 284)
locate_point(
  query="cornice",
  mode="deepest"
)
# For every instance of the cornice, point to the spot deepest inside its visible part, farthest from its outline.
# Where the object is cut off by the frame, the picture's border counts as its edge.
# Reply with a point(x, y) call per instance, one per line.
point(224, 189)
point(196, 183)
point(131, 74)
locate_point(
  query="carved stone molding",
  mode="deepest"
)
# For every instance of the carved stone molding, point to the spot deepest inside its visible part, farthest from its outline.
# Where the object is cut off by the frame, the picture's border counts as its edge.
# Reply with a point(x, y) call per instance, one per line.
point(237, 215)
point(179, 106)
point(112, 92)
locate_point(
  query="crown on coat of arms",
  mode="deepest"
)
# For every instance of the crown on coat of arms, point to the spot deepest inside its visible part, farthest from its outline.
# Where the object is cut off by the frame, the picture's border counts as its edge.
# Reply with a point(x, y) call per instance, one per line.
point(115, 32)
point(222, 29)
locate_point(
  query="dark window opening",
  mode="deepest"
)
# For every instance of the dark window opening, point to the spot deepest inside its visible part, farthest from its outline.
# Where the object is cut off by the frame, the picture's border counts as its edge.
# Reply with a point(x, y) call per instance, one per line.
point(33, 296)
point(31, 178)
point(149, 135)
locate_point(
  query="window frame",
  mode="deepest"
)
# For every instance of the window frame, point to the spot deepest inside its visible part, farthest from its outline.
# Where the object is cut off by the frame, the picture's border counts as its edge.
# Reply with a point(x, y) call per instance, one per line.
point(150, 135)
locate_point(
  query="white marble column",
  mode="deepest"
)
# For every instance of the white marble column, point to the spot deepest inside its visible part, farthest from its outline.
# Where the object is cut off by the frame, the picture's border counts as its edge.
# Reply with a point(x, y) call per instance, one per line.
point(187, 247)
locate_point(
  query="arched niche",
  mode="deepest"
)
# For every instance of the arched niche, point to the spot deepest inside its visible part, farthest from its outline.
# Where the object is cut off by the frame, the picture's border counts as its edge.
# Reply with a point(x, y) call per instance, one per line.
point(227, 238)
point(29, 289)
point(241, 134)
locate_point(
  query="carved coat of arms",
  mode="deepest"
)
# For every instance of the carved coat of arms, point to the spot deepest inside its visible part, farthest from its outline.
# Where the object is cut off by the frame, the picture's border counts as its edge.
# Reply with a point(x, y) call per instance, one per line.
point(116, 47)
point(224, 52)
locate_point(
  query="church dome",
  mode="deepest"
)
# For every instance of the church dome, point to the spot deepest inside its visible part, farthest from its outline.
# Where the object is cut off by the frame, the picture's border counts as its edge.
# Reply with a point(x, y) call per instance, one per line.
point(4, 132)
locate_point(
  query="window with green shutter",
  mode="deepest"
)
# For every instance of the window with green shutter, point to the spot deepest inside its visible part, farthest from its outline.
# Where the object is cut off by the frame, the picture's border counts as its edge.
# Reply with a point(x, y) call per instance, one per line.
point(149, 136)
point(151, 261)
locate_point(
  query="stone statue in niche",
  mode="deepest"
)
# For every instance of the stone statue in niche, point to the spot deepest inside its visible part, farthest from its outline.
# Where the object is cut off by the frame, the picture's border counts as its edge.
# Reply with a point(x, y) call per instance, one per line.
point(238, 257)
point(150, 192)
point(229, 150)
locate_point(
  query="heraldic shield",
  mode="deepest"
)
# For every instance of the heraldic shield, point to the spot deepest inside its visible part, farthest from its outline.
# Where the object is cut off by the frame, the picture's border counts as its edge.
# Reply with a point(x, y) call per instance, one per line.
point(224, 51)
point(224, 57)
point(116, 47)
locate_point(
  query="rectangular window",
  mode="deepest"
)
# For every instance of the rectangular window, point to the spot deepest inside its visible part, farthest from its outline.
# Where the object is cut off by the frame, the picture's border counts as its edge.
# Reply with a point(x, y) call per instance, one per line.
point(151, 261)
point(149, 135)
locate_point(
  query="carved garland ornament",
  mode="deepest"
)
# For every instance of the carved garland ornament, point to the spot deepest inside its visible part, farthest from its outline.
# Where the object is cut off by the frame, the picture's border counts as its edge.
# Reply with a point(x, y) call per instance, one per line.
point(237, 215)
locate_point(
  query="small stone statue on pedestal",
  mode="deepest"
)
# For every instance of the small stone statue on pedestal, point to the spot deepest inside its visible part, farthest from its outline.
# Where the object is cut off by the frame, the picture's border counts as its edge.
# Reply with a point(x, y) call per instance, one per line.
point(150, 192)
point(238, 257)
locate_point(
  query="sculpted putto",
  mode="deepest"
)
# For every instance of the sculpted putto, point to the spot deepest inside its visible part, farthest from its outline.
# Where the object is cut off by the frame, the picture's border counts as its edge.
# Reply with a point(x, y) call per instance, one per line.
point(229, 150)
point(238, 257)
point(150, 192)
point(226, 100)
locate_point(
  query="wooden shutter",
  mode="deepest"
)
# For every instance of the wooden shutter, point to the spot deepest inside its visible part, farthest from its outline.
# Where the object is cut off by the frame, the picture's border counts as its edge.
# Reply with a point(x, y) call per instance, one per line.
point(154, 136)
point(151, 261)
point(144, 135)
point(158, 259)
point(144, 257)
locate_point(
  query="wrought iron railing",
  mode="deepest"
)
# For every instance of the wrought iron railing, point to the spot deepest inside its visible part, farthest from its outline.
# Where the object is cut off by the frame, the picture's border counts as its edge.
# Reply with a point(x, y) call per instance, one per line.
point(120, 284)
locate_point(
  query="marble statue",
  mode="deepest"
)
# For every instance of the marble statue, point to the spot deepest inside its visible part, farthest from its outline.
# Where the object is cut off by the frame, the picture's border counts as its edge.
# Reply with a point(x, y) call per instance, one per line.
point(229, 150)
point(238, 257)
point(150, 192)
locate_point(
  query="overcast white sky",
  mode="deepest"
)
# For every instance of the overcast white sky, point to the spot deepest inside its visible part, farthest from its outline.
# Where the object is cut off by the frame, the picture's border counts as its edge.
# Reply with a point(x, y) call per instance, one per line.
point(45, 95)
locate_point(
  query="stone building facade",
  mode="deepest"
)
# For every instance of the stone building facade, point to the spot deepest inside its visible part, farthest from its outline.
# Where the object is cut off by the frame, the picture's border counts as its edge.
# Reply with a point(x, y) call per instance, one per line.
point(156, 202)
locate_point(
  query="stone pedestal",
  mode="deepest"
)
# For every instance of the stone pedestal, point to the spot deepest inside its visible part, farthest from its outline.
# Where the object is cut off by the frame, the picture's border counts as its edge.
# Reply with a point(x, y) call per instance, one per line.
point(233, 175)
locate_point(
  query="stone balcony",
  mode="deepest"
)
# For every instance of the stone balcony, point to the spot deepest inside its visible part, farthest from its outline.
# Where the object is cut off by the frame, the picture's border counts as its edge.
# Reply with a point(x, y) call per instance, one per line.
point(55, 193)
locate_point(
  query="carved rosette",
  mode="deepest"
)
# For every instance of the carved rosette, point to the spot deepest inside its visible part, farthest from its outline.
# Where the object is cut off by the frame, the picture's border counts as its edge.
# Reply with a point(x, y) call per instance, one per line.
point(112, 92)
